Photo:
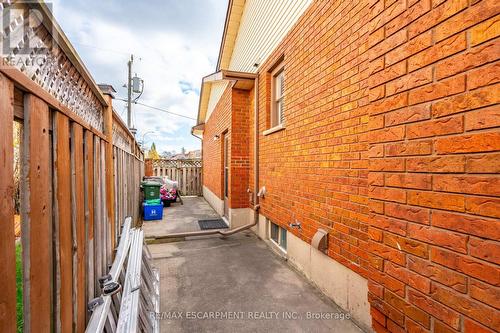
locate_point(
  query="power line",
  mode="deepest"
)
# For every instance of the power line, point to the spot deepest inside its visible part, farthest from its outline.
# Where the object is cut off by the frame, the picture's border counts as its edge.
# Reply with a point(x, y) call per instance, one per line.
point(159, 109)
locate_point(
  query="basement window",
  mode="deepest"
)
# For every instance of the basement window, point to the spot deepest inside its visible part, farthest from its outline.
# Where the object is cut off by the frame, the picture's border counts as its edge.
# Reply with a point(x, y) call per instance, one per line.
point(278, 235)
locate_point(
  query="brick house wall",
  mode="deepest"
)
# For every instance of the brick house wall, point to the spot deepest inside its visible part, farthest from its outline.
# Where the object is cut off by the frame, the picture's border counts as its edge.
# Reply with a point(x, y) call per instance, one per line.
point(316, 169)
point(230, 118)
point(212, 150)
point(240, 158)
point(391, 144)
point(434, 164)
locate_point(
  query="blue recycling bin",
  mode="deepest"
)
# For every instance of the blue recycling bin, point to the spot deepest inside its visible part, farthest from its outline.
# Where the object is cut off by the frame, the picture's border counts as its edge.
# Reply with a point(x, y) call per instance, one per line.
point(153, 211)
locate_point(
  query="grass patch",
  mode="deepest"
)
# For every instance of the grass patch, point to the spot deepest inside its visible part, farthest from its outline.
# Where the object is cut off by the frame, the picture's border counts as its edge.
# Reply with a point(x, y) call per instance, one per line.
point(19, 286)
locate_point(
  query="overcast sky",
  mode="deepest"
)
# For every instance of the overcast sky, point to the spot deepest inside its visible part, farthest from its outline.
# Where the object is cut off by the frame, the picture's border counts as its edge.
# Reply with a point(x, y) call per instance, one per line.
point(175, 43)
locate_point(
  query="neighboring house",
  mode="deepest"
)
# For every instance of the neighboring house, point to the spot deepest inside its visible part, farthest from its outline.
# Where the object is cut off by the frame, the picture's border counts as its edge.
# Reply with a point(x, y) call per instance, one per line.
point(377, 122)
point(167, 154)
point(194, 154)
point(179, 157)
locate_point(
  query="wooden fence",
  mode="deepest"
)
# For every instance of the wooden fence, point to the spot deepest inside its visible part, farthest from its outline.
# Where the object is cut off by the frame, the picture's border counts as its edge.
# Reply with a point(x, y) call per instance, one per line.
point(187, 172)
point(80, 177)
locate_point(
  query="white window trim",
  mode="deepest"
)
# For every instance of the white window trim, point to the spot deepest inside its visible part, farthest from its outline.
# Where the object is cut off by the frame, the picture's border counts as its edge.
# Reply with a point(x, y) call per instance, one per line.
point(276, 244)
point(274, 129)
point(278, 247)
point(279, 70)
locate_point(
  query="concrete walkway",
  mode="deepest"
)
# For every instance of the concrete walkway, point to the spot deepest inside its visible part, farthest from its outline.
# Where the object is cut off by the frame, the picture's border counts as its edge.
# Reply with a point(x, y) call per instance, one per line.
point(180, 218)
point(234, 284)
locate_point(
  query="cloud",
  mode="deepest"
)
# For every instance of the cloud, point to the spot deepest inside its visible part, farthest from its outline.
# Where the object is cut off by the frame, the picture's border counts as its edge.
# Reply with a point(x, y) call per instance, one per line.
point(175, 43)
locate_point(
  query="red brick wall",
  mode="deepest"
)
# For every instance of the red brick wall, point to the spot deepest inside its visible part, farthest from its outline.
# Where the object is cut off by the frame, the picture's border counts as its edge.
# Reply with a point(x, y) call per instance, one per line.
point(230, 118)
point(434, 164)
point(427, 267)
point(392, 144)
point(219, 122)
point(316, 169)
point(240, 163)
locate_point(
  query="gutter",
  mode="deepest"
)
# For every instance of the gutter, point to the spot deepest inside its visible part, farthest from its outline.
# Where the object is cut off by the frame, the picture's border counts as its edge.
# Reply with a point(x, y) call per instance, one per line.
point(256, 205)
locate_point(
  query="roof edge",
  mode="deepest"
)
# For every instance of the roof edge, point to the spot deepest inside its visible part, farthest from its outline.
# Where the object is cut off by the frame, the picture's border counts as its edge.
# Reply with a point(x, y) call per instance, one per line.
point(223, 38)
point(233, 19)
point(206, 87)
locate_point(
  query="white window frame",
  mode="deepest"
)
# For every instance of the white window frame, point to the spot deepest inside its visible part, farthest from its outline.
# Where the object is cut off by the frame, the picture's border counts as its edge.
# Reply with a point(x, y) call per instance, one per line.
point(278, 243)
point(277, 96)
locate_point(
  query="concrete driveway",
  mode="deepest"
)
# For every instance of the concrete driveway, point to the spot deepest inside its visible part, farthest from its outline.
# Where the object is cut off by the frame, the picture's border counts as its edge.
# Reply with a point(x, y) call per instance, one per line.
point(237, 284)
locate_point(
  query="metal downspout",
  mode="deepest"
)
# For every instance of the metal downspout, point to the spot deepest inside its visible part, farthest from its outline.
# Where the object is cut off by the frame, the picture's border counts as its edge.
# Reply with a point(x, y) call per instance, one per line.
point(256, 151)
point(256, 206)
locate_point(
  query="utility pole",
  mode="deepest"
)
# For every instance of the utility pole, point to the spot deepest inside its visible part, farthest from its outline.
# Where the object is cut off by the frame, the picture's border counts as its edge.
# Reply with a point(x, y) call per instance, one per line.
point(135, 85)
point(129, 92)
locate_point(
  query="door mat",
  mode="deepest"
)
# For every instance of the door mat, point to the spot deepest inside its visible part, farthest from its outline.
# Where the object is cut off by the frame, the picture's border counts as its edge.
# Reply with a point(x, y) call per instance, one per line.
point(212, 224)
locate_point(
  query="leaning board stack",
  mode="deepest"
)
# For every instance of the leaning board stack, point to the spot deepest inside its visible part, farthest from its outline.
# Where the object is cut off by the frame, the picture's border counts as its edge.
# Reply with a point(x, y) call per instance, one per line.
point(152, 205)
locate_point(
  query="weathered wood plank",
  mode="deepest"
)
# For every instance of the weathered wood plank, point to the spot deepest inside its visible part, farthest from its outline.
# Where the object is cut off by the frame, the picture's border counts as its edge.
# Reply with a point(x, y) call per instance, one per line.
point(185, 179)
point(78, 219)
point(7, 238)
point(105, 216)
point(36, 216)
point(118, 189)
point(98, 246)
point(115, 196)
point(110, 188)
point(18, 104)
point(122, 185)
point(126, 183)
point(89, 211)
point(64, 245)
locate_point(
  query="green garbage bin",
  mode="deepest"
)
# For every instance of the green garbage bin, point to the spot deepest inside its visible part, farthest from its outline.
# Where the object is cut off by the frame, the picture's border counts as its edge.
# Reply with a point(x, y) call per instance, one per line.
point(151, 190)
point(153, 202)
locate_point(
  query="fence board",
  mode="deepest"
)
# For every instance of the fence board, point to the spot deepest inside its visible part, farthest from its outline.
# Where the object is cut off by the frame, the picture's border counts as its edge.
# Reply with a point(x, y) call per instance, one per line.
point(7, 238)
point(123, 182)
point(109, 165)
point(119, 185)
point(18, 103)
point(89, 211)
point(116, 221)
point(78, 202)
point(106, 223)
point(62, 182)
point(36, 220)
point(98, 245)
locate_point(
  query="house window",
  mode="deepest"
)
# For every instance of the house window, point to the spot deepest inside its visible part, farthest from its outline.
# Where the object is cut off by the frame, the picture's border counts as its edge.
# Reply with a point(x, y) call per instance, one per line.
point(278, 235)
point(277, 96)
